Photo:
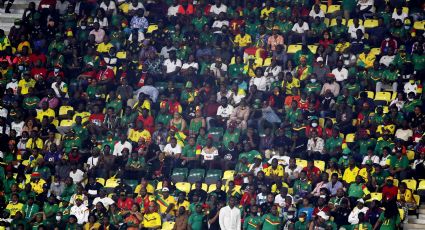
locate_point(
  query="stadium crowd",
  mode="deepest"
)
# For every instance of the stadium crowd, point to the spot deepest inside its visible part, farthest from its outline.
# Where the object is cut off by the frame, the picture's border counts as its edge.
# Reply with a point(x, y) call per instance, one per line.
point(212, 114)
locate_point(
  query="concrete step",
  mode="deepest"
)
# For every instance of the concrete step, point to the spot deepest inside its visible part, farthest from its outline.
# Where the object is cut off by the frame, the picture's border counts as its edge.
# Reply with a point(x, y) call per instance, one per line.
point(413, 226)
point(417, 221)
point(421, 211)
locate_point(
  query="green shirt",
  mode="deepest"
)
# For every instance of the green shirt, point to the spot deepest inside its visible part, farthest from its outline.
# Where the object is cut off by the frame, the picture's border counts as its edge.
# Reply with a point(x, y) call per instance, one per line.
point(364, 144)
point(381, 144)
point(397, 163)
point(29, 211)
point(138, 163)
point(302, 187)
point(68, 191)
point(338, 30)
point(251, 222)
point(293, 115)
point(418, 61)
point(390, 75)
point(196, 221)
point(301, 225)
point(199, 22)
point(50, 210)
point(270, 222)
point(389, 224)
point(30, 103)
point(314, 88)
point(356, 190)
point(363, 226)
point(348, 5)
point(333, 143)
point(380, 177)
point(228, 137)
point(163, 118)
point(189, 151)
point(409, 106)
point(235, 70)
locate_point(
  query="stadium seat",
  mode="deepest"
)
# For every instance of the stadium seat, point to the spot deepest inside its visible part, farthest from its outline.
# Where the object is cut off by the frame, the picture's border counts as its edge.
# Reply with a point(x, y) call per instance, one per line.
point(323, 7)
point(294, 48)
point(179, 175)
point(159, 185)
point(370, 94)
point(216, 133)
point(320, 164)
point(333, 8)
point(333, 22)
point(237, 188)
point(385, 109)
point(417, 199)
point(375, 51)
point(55, 122)
point(421, 186)
point(411, 183)
point(168, 225)
point(301, 162)
point(204, 186)
point(322, 122)
point(370, 23)
point(351, 22)
point(101, 181)
point(401, 212)
point(229, 175)
point(111, 183)
point(267, 62)
point(419, 25)
point(404, 10)
point(183, 186)
point(131, 183)
point(66, 123)
point(196, 175)
point(212, 187)
point(410, 155)
point(350, 137)
point(375, 196)
point(313, 48)
point(151, 28)
point(383, 96)
point(213, 175)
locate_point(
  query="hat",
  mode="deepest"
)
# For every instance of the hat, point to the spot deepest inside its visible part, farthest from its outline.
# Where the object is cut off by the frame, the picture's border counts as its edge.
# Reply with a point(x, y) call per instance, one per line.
point(346, 151)
point(276, 28)
point(389, 178)
point(90, 63)
point(189, 84)
point(323, 215)
point(165, 189)
point(402, 48)
point(319, 59)
point(79, 197)
point(360, 201)
point(258, 157)
point(369, 162)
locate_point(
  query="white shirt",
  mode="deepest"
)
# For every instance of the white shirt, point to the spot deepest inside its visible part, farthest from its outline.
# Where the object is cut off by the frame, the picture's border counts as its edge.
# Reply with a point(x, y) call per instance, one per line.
point(274, 71)
point(77, 177)
point(219, 24)
point(402, 16)
point(293, 173)
point(217, 10)
point(111, 6)
point(282, 160)
point(14, 86)
point(365, 3)
point(353, 217)
point(340, 75)
point(404, 134)
point(172, 10)
point(138, 6)
point(315, 146)
point(171, 66)
point(386, 60)
point(216, 71)
point(230, 218)
point(119, 147)
point(374, 159)
point(383, 161)
point(61, 88)
point(262, 83)
point(81, 212)
point(313, 14)
point(300, 29)
point(17, 127)
point(106, 201)
point(152, 91)
point(92, 162)
point(3, 112)
point(169, 150)
point(225, 112)
point(209, 155)
point(188, 65)
point(352, 30)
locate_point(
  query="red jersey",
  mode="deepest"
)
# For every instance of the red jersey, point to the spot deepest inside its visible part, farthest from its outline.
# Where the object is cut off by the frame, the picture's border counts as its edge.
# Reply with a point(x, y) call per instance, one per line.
point(389, 192)
point(125, 204)
point(97, 119)
point(148, 123)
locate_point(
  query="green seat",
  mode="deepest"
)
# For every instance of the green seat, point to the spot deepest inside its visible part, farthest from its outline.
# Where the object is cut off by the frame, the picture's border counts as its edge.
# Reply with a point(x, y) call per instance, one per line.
point(216, 133)
point(213, 175)
point(179, 175)
point(131, 183)
point(196, 175)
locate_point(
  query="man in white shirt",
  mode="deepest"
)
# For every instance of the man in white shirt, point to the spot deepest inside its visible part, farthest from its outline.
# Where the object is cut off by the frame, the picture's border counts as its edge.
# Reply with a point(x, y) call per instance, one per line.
point(353, 218)
point(315, 144)
point(173, 148)
point(60, 88)
point(106, 201)
point(172, 65)
point(109, 7)
point(80, 211)
point(388, 58)
point(398, 14)
point(352, 30)
point(299, 31)
point(316, 12)
point(230, 216)
point(121, 145)
point(218, 68)
point(340, 72)
point(173, 9)
point(94, 159)
point(410, 86)
point(225, 110)
point(218, 8)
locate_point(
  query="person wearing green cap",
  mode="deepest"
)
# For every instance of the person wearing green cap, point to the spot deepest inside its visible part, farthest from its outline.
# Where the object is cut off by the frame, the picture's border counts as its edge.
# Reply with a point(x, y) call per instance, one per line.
point(343, 160)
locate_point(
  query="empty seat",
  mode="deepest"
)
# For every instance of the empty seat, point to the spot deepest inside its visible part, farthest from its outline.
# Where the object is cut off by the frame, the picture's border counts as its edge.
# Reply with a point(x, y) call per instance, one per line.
point(196, 175)
point(213, 175)
point(179, 174)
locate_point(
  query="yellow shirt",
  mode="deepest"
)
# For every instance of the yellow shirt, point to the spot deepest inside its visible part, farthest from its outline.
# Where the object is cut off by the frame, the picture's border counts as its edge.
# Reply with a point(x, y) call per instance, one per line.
point(164, 203)
point(366, 60)
point(350, 175)
point(63, 110)
point(104, 48)
point(31, 144)
point(48, 112)
point(266, 12)
point(149, 188)
point(135, 135)
point(243, 41)
point(408, 196)
point(84, 116)
point(5, 43)
point(25, 85)
point(22, 44)
point(279, 171)
point(185, 204)
point(294, 84)
point(330, 172)
point(37, 187)
point(14, 208)
point(363, 173)
point(151, 220)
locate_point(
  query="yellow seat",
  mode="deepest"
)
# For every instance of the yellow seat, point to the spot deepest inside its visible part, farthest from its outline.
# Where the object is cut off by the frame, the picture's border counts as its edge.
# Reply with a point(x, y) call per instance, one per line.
point(232, 60)
point(370, 94)
point(168, 225)
point(410, 154)
point(313, 48)
point(27, 178)
point(63, 110)
point(404, 10)
point(411, 183)
point(350, 137)
point(323, 7)
point(370, 23)
point(212, 188)
point(301, 162)
point(419, 25)
point(322, 122)
point(320, 164)
point(291, 191)
point(401, 212)
point(152, 28)
point(267, 62)
point(121, 55)
point(203, 186)
point(55, 122)
point(375, 196)
point(395, 181)
point(383, 96)
point(100, 181)
point(67, 123)
point(294, 48)
point(350, 22)
point(333, 8)
point(417, 199)
point(183, 186)
point(228, 175)
point(258, 62)
point(237, 188)
point(333, 22)
point(159, 185)
point(111, 183)
point(385, 109)
point(421, 185)
point(375, 51)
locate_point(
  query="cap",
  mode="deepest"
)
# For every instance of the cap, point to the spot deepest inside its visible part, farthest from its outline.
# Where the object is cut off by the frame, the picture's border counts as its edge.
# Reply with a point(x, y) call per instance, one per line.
point(389, 178)
point(323, 215)
point(346, 151)
point(360, 201)
point(258, 157)
point(319, 59)
point(165, 189)
point(276, 28)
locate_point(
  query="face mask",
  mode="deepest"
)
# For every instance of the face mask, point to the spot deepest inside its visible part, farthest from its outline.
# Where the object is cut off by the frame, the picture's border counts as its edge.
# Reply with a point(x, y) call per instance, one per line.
point(301, 219)
point(410, 99)
point(313, 80)
point(314, 125)
point(290, 217)
point(123, 25)
point(56, 183)
point(56, 70)
point(14, 79)
point(407, 27)
point(21, 67)
point(345, 157)
point(83, 27)
point(17, 26)
point(58, 218)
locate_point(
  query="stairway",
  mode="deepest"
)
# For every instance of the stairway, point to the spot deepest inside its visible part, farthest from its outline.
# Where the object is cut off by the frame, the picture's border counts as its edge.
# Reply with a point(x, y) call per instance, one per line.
point(416, 222)
point(18, 7)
